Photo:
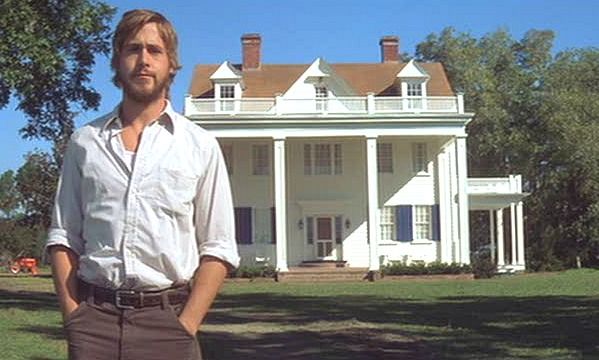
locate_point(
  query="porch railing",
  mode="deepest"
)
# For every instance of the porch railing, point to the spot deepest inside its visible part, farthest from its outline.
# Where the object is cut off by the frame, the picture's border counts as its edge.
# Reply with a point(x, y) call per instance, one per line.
point(348, 105)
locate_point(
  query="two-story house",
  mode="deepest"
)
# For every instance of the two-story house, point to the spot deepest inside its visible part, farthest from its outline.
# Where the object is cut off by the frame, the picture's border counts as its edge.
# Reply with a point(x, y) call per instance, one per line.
point(358, 164)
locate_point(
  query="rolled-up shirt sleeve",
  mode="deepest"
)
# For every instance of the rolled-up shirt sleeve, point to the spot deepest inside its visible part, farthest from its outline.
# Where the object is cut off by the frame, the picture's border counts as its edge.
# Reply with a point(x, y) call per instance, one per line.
point(214, 218)
point(67, 214)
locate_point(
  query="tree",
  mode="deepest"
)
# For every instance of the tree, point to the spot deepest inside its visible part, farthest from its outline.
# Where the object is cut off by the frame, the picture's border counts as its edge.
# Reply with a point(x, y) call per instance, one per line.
point(538, 116)
point(9, 195)
point(47, 51)
point(36, 181)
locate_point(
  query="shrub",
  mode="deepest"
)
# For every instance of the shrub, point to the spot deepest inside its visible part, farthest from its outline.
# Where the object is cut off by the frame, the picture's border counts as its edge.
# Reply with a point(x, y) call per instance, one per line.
point(253, 271)
point(421, 268)
point(482, 266)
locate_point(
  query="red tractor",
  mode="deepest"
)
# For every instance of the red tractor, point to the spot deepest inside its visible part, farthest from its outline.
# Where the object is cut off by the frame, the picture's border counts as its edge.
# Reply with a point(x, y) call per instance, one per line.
point(22, 263)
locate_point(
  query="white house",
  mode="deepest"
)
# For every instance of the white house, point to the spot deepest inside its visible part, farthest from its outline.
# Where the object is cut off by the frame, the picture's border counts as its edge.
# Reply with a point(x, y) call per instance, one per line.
point(354, 163)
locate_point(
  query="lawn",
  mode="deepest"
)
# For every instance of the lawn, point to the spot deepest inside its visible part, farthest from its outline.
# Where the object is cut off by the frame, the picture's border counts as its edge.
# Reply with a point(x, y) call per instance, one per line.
point(531, 316)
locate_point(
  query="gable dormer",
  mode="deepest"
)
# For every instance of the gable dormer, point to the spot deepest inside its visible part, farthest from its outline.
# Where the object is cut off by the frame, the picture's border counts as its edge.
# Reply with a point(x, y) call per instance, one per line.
point(228, 86)
point(413, 80)
point(319, 75)
point(320, 84)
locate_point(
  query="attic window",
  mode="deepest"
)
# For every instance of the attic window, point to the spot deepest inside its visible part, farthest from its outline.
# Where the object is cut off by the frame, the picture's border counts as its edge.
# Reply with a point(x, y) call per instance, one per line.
point(414, 89)
point(322, 94)
point(227, 94)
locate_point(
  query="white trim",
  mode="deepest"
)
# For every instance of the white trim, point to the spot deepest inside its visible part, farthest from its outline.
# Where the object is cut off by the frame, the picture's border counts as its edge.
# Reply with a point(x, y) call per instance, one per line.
point(280, 204)
point(373, 196)
point(520, 226)
point(463, 210)
point(500, 239)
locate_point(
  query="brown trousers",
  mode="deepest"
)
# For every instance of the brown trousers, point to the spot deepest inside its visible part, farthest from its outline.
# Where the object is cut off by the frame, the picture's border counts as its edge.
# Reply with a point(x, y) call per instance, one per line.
point(103, 332)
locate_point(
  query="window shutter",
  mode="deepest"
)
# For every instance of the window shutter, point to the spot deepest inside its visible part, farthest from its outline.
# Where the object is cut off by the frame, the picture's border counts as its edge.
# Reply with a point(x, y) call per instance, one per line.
point(273, 225)
point(403, 219)
point(436, 222)
point(243, 225)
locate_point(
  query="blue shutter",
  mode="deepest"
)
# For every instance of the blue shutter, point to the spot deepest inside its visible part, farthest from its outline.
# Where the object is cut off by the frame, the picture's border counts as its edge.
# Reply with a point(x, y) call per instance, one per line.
point(243, 225)
point(436, 222)
point(273, 226)
point(403, 222)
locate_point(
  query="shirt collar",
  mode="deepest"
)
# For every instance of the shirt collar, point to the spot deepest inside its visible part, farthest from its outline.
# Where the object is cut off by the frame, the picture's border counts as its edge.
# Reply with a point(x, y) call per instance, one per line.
point(166, 119)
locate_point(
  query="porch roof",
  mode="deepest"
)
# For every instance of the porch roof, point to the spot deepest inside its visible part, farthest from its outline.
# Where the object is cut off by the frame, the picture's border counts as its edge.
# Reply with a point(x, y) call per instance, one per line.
point(493, 201)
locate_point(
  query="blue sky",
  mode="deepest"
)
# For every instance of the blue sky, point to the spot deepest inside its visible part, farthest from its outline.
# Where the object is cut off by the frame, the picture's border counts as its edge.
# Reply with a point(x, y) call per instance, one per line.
point(296, 31)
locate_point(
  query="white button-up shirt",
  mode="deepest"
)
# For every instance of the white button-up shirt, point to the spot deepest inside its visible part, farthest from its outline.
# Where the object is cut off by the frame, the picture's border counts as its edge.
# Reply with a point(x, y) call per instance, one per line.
point(143, 222)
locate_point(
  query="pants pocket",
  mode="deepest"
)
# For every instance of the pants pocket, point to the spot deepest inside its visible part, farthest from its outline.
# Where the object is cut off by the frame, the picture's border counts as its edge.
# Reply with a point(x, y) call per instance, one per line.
point(75, 314)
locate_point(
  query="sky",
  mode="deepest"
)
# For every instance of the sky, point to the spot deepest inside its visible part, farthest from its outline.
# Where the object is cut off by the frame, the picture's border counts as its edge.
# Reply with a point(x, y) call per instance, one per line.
point(299, 31)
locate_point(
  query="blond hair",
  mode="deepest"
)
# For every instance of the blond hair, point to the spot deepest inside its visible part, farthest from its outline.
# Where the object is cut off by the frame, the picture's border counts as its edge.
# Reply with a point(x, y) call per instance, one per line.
point(130, 24)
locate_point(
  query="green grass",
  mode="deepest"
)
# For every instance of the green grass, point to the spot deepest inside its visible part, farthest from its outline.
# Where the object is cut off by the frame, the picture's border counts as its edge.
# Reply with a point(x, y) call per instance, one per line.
point(531, 316)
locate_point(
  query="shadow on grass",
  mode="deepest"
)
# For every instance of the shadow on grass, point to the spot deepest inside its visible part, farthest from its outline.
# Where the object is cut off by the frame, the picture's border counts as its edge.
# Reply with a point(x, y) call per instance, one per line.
point(28, 300)
point(450, 328)
point(369, 327)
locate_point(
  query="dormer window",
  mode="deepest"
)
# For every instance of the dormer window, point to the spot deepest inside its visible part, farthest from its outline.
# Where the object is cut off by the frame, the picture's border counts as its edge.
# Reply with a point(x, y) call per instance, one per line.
point(414, 94)
point(414, 89)
point(228, 85)
point(227, 96)
point(322, 94)
point(413, 86)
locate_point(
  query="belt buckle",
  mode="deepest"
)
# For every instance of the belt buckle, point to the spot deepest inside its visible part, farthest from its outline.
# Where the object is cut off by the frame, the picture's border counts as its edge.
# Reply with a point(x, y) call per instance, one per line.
point(117, 298)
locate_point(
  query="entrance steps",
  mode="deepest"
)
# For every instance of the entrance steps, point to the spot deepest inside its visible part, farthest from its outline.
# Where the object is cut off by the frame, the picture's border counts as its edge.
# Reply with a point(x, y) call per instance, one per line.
point(323, 271)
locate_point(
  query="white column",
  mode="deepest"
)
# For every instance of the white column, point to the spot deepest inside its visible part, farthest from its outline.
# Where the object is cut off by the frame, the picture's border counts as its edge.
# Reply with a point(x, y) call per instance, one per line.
point(444, 206)
point(280, 204)
point(373, 203)
point(492, 234)
point(453, 205)
point(500, 243)
point(513, 232)
point(463, 210)
point(520, 236)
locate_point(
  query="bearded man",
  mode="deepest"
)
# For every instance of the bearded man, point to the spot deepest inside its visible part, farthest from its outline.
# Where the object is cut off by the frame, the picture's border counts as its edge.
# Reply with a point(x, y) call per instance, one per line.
point(142, 234)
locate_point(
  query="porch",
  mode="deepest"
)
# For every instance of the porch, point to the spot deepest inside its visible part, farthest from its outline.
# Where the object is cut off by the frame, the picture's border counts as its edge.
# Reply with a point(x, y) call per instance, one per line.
point(495, 195)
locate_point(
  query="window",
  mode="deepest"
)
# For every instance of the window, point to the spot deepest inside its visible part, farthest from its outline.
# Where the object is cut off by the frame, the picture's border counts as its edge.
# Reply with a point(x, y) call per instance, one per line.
point(414, 89)
point(321, 98)
point(422, 222)
point(263, 232)
point(384, 152)
point(227, 94)
point(227, 150)
point(323, 159)
point(419, 158)
point(414, 94)
point(260, 160)
point(387, 223)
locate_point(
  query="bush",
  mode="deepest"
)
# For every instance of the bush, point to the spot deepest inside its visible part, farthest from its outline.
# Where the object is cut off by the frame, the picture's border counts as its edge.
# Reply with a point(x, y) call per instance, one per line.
point(253, 271)
point(421, 268)
point(482, 266)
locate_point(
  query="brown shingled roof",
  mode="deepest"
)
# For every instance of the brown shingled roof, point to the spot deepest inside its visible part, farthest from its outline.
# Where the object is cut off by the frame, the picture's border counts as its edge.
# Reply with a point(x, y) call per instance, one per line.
point(269, 80)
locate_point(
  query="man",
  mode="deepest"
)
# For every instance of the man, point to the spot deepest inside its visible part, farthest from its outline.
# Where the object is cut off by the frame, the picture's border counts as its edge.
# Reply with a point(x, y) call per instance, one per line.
point(143, 230)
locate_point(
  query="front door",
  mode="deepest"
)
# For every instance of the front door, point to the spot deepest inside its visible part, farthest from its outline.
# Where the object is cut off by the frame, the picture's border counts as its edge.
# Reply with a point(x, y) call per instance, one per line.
point(325, 241)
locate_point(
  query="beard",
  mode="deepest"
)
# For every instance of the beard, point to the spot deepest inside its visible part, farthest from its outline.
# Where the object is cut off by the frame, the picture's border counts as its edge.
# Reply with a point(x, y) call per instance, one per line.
point(142, 94)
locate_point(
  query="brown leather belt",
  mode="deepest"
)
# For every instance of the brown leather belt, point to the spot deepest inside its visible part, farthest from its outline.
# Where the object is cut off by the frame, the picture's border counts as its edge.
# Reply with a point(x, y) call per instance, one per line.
point(130, 299)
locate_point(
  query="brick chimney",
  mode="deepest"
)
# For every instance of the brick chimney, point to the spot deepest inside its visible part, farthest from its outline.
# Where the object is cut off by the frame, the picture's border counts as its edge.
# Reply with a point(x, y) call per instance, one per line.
point(389, 49)
point(250, 44)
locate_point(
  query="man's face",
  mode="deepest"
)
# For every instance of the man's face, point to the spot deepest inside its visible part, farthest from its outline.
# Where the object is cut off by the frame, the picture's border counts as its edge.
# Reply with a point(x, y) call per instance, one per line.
point(144, 68)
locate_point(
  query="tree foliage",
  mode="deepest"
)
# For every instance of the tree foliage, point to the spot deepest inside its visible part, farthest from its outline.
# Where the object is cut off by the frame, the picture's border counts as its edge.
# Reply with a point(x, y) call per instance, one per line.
point(36, 181)
point(47, 51)
point(9, 196)
point(537, 115)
